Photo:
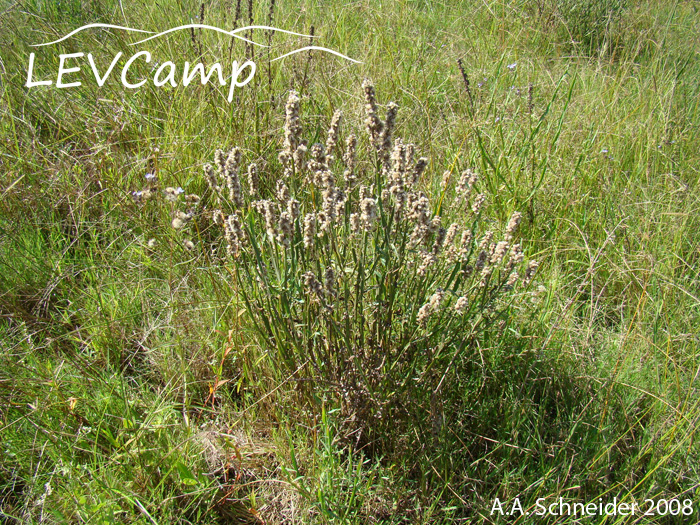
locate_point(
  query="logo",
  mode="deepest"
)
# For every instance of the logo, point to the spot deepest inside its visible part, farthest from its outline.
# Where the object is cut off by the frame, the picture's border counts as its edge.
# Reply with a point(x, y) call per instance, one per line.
point(168, 72)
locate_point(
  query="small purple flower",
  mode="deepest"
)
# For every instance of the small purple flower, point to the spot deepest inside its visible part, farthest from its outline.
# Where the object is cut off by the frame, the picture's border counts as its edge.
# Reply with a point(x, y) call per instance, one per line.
point(137, 193)
point(512, 66)
point(604, 151)
point(179, 190)
point(150, 176)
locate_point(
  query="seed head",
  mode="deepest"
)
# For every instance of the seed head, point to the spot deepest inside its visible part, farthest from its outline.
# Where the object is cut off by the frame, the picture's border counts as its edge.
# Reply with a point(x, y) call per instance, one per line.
point(461, 305)
point(481, 260)
point(355, 223)
point(465, 245)
point(219, 162)
point(211, 177)
point(292, 125)
point(299, 156)
point(270, 213)
point(373, 122)
point(530, 272)
point(485, 275)
point(436, 300)
point(282, 193)
point(349, 159)
point(420, 212)
point(309, 230)
point(486, 241)
point(466, 183)
point(332, 137)
point(253, 179)
point(451, 251)
point(286, 228)
point(446, 178)
point(499, 252)
point(478, 203)
point(513, 224)
point(329, 281)
point(428, 259)
point(418, 170)
point(234, 236)
point(368, 207)
point(512, 278)
point(313, 287)
point(516, 256)
point(424, 314)
point(386, 135)
point(293, 208)
point(439, 239)
point(172, 194)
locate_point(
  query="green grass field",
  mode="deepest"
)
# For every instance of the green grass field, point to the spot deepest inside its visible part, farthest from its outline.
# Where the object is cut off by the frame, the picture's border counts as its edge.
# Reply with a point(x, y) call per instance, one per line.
point(194, 359)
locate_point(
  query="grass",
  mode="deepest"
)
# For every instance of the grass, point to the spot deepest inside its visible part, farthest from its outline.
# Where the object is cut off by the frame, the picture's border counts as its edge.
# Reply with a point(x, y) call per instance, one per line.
point(133, 388)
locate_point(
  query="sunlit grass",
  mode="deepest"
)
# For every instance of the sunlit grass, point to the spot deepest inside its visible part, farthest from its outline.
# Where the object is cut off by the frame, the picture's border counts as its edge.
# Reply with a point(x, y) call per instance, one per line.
point(134, 388)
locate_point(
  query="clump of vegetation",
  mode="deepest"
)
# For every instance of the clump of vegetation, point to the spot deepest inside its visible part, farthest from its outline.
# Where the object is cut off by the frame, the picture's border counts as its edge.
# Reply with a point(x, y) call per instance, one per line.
point(591, 28)
point(356, 285)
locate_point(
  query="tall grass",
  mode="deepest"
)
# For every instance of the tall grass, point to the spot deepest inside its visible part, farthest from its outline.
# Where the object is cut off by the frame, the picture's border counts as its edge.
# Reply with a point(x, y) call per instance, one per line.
point(139, 381)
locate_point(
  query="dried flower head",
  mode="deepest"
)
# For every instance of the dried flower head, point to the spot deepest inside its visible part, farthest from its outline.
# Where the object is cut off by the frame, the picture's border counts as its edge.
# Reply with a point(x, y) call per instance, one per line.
point(219, 162)
point(478, 203)
point(530, 272)
point(512, 226)
point(282, 193)
point(233, 182)
point(172, 194)
point(268, 209)
point(418, 170)
point(446, 178)
point(461, 305)
point(450, 250)
point(253, 179)
point(368, 207)
point(427, 260)
point(286, 229)
point(332, 137)
point(313, 287)
point(499, 252)
point(355, 223)
point(309, 230)
point(373, 122)
point(329, 281)
point(211, 177)
point(466, 183)
point(349, 159)
point(292, 126)
point(293, 208)
point(386, 134)
point(516, 256)
point(437, 299)
point(298, 157)
point(423, 314)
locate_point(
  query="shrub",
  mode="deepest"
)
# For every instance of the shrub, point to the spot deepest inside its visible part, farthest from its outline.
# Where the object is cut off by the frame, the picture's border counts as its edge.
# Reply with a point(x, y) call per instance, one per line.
point(355, 285)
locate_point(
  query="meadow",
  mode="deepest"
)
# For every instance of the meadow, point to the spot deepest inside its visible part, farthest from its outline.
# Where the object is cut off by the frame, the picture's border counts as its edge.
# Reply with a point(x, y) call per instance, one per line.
point(465, 270)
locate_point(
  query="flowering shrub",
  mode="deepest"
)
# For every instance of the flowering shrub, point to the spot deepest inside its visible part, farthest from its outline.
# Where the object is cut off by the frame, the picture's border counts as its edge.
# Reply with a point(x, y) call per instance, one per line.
point(352, 282)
